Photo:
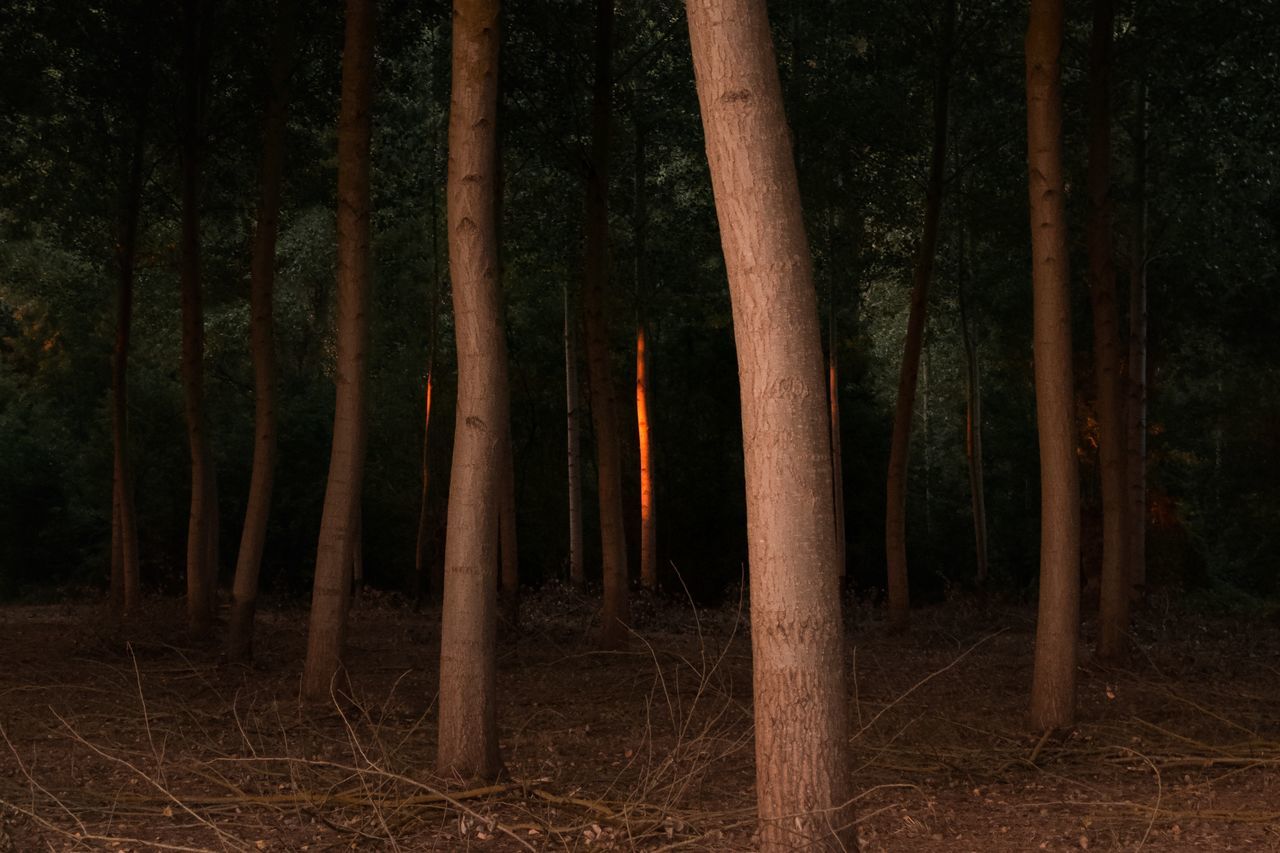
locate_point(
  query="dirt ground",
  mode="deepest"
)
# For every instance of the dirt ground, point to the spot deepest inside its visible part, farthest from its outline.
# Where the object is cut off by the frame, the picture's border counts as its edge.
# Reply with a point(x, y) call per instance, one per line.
point(153, 744)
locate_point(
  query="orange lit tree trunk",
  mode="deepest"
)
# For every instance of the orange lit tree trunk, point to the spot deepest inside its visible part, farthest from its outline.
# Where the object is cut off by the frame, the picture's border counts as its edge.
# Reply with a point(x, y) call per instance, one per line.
point(1136, 405)
point(125, 587)
point(616, 616)
point(973, 422)
point(202, 526)
point(572, 414)
point(895, 519)
point(339, 521)
point(803, 783)
point(468, 735)
point(262, 271)
point(420, 565)
point(837, 457)
point(1053, 688)
point(1113, 612)
point(644, 424)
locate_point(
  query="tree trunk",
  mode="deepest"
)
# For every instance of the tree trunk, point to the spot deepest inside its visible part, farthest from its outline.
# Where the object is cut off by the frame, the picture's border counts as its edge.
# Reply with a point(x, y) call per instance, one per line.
point(468, 665)
point(1113, 614)
point(895, 521)
point(1136, 408)
point(340, 518)
point(244, 596)
point(616, 616)
point(973, 424)
point(803, 781)
point(648, 521)
point(425, 575)
point(202, 522)
point(1054, 685)
point(125, 586)
point(837, 457)
point(572, 413)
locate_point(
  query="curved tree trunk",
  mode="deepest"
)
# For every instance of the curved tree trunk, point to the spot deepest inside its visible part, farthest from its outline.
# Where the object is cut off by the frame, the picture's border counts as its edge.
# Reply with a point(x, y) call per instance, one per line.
point(895, 519)
point(1113, 613)
point(616, 616)
point(331, 591)
point(803, 781)
point(262, 271)
point(1053, 688)
point(202, 525)
point(1136, 406)
point(468, 663)
point(572, 428)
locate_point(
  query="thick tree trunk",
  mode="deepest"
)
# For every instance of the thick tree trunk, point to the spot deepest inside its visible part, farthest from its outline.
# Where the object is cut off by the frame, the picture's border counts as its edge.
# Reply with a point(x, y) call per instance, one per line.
point(1053, 688)
point(648, 520)
point(339, 520)
point(973, 425)
point(1136, 405)
point(616, 615)
point(202, 526)
point(803, 780)
point(572, 414)
point(125, 586)
point(895, 520)
point(1113, 613)
point(262, 271)
point(468, 664)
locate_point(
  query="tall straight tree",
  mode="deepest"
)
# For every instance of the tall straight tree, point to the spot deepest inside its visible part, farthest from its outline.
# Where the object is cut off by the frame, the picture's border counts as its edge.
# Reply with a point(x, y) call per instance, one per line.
point(1136, 403)
point(202, 524)
point(604, 404)
point(802, 771)
point(973, 415)
point(1053, 688)
point(1113, 614)
point(468, 643)
point(573, 415)
point(339, 522)
point(895, 517)
point(262, 273)
point(644, 422)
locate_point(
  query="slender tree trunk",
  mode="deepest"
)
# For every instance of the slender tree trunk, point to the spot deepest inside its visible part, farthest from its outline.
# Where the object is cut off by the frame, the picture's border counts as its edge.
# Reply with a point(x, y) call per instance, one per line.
point(1136, 408)
point(425, 574)
point(572, 413)
point(468, 665)
point(648, 519)
point(202, 523)
point(616, 616)
point(1113, 614)
point(973, 424)
point(803, 783)
point(1053, 688)
point(837, 457)
point(244, 595)
point(339, 520)
point(895, 523)
point(125, 587)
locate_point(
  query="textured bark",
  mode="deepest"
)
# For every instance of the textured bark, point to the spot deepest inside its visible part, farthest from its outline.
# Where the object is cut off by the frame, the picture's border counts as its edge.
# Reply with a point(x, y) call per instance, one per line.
point(1136, 405)
point(1053, 687)
point(1113, 612)
point(572, 428)
point(802, 773)
point(468, 666)
point(895, 519)
point(202, 524)
point(973, 426)
point(262, 272)
point(616, 615)
point(648, 519)
point(330, 596)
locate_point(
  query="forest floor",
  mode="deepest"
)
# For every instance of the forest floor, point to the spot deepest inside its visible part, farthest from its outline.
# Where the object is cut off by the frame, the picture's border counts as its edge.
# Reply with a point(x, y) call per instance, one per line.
point(155, 744)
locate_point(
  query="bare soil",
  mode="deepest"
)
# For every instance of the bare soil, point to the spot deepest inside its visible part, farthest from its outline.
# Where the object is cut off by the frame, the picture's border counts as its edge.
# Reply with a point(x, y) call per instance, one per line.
point(146, 742)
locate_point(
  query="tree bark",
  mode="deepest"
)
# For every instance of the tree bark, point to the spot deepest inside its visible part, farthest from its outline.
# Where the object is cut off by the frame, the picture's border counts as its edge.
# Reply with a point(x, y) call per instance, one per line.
point(616, 615)
point(202, 525)
point(572, 414)
point(648, 519)
point(468, 666)
point(1057, 628)
point(262, 270)
point(973, 424)
point(802, 771)
point(1113, 613)
point(1136, 406)
point(895, 523)
point(339, 520)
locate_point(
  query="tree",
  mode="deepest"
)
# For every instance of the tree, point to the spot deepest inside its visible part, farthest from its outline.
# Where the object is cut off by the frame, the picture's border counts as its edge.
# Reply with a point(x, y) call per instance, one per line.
point(331, 591)
point(262, 273)
point(572, 416)
point(644, 424)
point(895, 519)
point(468, 655)
point(1054, 683)
point(1136, 374)
point(202, 526)
point(973, 416)
point(604, 407)
point(802, 772)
